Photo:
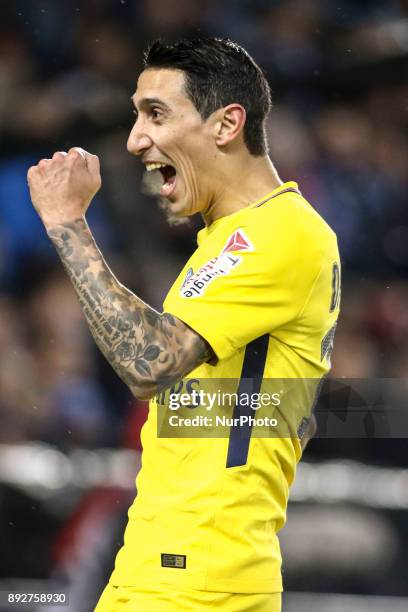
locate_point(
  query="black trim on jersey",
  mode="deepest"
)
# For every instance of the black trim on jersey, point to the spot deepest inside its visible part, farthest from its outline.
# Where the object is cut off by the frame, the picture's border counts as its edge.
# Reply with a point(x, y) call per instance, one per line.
point(292, 189)
point(251, 378)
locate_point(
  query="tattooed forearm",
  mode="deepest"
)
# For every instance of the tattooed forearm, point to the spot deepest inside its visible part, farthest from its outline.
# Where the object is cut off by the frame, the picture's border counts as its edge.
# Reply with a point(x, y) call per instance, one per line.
point(148, 350)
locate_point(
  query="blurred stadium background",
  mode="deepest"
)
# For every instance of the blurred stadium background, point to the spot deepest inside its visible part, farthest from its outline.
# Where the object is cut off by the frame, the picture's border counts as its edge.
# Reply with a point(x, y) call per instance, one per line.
point(69, 430)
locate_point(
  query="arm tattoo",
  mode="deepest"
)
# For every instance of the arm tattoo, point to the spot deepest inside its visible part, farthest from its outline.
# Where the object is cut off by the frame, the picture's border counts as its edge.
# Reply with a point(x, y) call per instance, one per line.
point(148, 350)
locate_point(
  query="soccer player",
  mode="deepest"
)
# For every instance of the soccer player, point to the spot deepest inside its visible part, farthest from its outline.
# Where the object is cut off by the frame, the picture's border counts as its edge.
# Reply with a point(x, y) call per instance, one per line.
point(259, 298)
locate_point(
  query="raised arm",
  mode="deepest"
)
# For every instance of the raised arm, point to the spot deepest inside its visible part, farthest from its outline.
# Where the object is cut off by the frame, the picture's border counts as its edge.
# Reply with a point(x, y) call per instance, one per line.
point(148, 350)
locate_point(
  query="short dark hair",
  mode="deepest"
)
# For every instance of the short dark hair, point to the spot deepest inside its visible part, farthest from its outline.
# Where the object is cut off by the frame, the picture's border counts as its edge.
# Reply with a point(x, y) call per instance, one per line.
point(219, 72)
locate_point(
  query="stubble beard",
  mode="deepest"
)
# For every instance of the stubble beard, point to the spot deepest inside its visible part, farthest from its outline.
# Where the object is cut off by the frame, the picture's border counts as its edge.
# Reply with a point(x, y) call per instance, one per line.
point(151, 185)
point(172, 219)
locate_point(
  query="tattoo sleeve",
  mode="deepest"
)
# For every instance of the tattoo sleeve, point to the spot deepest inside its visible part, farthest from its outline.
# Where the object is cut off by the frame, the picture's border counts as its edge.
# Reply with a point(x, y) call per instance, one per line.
point(148, 350)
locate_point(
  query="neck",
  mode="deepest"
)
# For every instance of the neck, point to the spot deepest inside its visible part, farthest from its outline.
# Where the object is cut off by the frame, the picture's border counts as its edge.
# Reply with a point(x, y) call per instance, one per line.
point(249, 181)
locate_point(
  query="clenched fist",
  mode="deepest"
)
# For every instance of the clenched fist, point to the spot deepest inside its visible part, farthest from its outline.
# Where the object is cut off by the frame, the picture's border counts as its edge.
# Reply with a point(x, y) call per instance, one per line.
point(61, 188)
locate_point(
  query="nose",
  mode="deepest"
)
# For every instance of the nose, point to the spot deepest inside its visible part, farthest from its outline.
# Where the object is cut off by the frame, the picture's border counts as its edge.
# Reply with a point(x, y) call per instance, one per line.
point(138, 141)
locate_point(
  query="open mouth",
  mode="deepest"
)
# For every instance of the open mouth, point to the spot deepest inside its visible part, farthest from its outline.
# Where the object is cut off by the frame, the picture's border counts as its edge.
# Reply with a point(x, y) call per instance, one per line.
point(169, 180)
point(169, 176)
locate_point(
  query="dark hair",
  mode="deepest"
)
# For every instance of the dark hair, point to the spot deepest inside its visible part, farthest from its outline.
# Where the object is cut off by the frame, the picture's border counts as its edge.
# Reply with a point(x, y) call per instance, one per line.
point(219, 72)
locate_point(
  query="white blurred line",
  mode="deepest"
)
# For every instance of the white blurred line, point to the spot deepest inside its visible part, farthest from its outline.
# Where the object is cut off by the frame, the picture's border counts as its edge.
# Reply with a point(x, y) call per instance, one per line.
point(42, 470)
point(350, 481)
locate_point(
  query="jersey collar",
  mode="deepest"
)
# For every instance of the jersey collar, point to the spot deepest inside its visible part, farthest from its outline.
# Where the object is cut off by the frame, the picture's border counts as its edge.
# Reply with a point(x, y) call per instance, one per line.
point(284, 188)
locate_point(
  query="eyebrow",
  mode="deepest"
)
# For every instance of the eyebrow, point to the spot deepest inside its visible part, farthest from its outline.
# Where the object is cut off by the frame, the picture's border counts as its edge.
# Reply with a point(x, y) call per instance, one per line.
point(149, 102)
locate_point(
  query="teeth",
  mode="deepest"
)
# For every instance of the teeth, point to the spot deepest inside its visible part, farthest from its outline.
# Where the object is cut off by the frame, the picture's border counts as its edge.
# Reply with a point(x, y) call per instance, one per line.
point(154, 166)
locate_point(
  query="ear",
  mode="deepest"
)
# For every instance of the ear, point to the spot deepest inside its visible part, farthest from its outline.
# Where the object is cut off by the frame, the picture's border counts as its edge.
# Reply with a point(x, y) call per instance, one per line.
point(229, 123)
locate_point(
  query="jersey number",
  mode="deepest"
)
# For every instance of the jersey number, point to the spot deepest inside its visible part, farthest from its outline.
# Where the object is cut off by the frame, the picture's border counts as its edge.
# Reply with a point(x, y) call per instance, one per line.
point(335, 298)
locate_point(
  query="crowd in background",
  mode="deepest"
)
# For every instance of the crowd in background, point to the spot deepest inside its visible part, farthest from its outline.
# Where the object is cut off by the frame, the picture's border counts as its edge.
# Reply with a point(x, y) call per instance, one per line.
point(67, 71)
point(338, 73)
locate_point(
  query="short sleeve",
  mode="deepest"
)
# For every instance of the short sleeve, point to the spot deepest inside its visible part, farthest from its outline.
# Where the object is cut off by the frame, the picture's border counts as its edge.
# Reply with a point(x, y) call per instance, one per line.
point(254, 285)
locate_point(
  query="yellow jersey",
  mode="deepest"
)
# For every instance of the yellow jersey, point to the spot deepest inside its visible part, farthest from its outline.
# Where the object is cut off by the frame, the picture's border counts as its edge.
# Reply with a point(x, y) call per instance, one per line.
point(263, 289)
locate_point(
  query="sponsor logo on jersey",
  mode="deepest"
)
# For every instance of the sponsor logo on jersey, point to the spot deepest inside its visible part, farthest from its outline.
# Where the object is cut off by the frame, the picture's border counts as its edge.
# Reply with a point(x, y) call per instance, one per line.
point(190, 273)
point(195, 283)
